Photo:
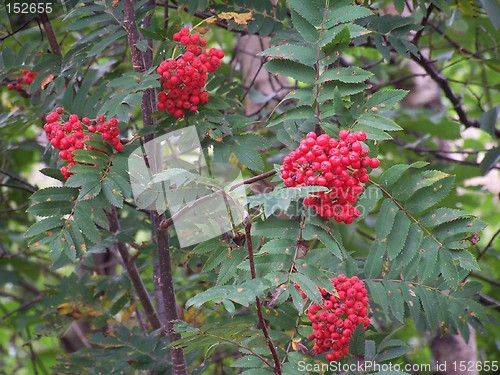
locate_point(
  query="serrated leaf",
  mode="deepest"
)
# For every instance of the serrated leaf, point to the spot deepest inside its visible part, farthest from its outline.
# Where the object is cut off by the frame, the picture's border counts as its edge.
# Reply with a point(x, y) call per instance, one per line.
point(390, 176)
point(357, 341)
point(490, 160)
point(304, 97)
point(91, 157)
point(302, 54)
point(229, 267)
point(344, 89)
point(375, 258)
point(112, 192)
point(428, 257)
point(385, 218)
point(458, 229)
point(488, 120)
point(448, 268)
point(378, 122)
point(43, 225)
point(46, 209)
point(243, 294)
point(217, 256)
point(77, 237)
point(379, 295)
point(305, 29)
point(295, 70)
point(313, 273)
point(307, 286)
point(68, 245)
point(313, 232)
point(85, 218)
point(411, 246)
point(391, 353)
point(297, 300)
point(279, 246)
point(430, 306)
point(347, 75)
point(466, 260)
point(441, 215)
point(368, 200)
point(53, 173)
point(385, 100)
point(412, 300)
point(398, 235)
point(55, 248)
point(372, 133)
point(396, 302)
point(297, 113)
point(345, 14)
point(308, 10)
point(248, 157)
point(54, 194)
point(275, 228)
point(429, 196)
point(410, 184)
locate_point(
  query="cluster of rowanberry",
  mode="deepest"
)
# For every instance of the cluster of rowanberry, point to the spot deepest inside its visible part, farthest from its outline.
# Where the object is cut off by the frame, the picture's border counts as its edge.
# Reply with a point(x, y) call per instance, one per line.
point(183, 79)
point(69, 136)
point(340, 165)
point(336, 318)
point(26, 79)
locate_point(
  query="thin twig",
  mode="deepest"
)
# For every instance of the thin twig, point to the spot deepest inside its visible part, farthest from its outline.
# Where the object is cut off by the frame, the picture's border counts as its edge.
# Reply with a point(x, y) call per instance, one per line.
point(484, 278)
point(262, 322)
point(489, 245)
point(443, 83)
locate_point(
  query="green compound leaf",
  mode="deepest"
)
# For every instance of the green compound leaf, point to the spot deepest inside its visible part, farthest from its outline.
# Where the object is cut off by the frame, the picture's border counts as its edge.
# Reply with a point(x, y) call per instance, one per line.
point(295, 70)
point(347, 75)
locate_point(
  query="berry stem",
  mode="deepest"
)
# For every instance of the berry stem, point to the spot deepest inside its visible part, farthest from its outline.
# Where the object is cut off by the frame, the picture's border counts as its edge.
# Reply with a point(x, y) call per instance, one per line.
point(262, 322)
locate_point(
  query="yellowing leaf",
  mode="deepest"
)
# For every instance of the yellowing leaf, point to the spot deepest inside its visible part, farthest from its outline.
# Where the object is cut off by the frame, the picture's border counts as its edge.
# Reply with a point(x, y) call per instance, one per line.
point(47, 80)
point(239, 18)
point(128, 313)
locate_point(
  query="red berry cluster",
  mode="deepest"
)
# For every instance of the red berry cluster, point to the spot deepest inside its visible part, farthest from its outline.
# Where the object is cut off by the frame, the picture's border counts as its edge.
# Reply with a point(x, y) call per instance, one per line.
point(26, 79)
point(340, 165)
point(184, 78)
point(336, 318)
point(69, 136)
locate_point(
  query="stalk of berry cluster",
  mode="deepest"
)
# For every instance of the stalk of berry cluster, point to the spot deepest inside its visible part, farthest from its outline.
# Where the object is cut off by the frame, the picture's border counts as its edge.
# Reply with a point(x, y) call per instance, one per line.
point(164, 278)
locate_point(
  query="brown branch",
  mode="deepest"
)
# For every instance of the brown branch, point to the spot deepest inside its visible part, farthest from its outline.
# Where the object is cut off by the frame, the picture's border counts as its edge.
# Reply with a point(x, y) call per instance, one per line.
point(423, 24)
point(262, 322)
point(49, 31)
point(484, 278)
point(134, 275)
point(163, 276)
point(259, 177)
point(438, 154)
point(443, 83)
point(166, 284)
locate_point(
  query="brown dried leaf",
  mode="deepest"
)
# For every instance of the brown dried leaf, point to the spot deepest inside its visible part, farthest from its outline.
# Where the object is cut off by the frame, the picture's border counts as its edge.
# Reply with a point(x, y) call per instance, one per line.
point(239, 18)
point(47, 80)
